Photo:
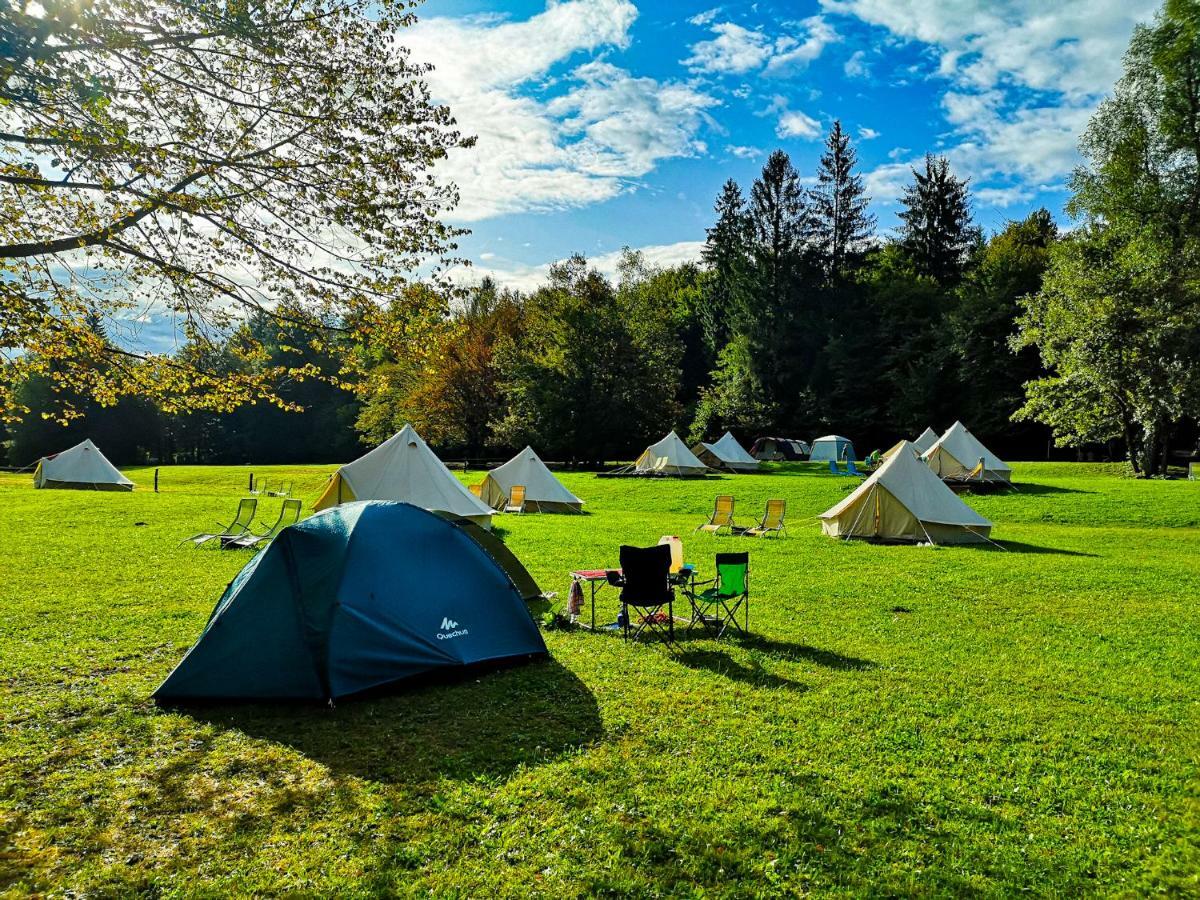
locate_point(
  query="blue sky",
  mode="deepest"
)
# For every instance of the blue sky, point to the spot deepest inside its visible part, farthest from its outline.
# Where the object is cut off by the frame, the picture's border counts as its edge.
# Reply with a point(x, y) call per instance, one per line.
point(605, 123)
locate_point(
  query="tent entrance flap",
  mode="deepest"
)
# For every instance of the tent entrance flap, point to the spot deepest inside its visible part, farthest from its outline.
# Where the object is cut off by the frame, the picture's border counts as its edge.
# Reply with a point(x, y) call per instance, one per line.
point(335, 493)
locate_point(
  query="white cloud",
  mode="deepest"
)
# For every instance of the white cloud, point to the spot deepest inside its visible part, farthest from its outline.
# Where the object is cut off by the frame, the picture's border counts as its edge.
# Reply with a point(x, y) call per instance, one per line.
point(583, 146)
point(795, 53)
point(1003, 197)
point(626, 124)
point(524, 277)
point(705, 17)
point(857, 66)
point(1023, 78)
point(1036, 143)
point(867, 134)
point(1070, 46)
point(885, 184)
point(741, 152)
point(794, 123)
point(737, 50)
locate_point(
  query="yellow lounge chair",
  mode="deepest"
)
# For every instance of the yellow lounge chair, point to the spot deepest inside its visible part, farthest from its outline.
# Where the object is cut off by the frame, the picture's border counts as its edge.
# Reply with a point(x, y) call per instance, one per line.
point(722, 515)
point(771, 522)
point(516, 499)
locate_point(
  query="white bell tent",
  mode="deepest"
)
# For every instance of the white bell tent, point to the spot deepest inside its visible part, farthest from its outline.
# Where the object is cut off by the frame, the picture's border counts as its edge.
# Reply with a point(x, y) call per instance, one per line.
point(927, 439)
point(404, 468)
point(959, 456)
point(83, 467)
point(904, 501)
point(726, 453)
point(670, 456)
point(543, 492)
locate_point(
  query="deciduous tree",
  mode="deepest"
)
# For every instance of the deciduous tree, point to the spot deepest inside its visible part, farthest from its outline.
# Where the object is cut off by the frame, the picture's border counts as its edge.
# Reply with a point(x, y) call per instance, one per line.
point(205, 162)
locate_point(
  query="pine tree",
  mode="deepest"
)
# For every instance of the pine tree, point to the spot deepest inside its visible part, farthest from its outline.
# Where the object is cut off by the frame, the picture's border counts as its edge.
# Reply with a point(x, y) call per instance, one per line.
point(783, 322)
point(725, 255)
point(779, 213)
point(937, 232)
point(841, 224)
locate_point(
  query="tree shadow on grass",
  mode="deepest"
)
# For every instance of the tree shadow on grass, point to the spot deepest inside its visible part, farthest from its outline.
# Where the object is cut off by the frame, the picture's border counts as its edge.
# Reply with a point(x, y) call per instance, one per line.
point(1031, 489)
point(1018, 547)
point(481, 725)
point(721, 663)
point(802, 652)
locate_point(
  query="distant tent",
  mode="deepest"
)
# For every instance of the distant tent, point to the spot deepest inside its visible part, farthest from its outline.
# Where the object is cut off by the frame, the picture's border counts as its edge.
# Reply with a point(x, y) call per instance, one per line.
point(832, 446)
point(357, 597)
point(83, 467)
point(670, 456)
point(776, 449)
point(904, 501)
point(543, 492)
point(403, 468)
point(927, 439)
point(726, 453)
point(958, 455)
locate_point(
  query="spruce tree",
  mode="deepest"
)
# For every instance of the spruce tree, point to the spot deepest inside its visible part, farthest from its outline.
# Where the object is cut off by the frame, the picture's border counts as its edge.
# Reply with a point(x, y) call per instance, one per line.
point(938, 234)
point(842, 226)
point(725, 255)
point(782, 326)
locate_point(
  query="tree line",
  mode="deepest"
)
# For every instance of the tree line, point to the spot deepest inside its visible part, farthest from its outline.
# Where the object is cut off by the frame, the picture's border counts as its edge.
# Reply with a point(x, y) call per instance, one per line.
point(799, 319)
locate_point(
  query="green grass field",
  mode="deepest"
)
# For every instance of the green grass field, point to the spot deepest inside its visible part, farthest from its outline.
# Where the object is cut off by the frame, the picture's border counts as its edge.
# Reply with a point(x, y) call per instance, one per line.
point(904, 721)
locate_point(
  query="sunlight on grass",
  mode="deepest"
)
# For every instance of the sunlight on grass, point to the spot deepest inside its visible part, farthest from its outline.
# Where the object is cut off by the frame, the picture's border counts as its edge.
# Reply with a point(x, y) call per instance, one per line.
point(903, 720)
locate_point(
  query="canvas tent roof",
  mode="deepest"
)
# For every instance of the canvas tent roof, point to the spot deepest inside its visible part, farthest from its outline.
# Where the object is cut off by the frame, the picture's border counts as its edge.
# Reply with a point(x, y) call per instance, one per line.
point(403, 468)
point(927, 439)
point(959, 454)
point(832, 446)
point(670, 456)
point(543, 492)
point(82, 467)
point(904, 501)
point(358, 597)
point(726, 453)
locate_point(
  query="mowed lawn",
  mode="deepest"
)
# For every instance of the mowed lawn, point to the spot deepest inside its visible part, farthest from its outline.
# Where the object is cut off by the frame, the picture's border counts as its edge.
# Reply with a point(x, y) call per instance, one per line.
point(904, 721)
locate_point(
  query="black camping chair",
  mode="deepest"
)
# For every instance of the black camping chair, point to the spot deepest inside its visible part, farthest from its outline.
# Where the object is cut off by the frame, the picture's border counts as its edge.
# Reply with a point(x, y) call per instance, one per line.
point(645, 582)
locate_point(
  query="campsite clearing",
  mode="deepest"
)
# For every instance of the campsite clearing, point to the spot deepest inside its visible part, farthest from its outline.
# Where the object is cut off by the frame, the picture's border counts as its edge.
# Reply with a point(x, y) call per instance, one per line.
point(905, 719)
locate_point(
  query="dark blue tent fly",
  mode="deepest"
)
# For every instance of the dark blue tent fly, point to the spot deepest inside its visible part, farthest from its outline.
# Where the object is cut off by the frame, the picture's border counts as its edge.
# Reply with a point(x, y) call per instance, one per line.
point(357, 597)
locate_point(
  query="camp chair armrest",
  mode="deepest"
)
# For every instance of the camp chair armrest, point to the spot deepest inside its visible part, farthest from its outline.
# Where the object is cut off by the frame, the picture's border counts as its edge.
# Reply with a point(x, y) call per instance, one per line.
point(615, 578)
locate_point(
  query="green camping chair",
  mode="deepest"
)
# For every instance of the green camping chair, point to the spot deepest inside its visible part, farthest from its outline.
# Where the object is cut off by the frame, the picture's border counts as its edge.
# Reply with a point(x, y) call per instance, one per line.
point(289, 514)
point(241, 523)
point(716, 607)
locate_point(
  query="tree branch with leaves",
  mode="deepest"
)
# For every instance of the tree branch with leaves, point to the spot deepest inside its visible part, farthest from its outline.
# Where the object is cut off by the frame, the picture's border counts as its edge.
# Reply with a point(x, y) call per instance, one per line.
point(206, 163)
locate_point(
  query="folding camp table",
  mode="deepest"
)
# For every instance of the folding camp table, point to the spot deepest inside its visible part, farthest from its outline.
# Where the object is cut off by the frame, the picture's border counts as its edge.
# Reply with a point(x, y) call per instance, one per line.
point(597, 578)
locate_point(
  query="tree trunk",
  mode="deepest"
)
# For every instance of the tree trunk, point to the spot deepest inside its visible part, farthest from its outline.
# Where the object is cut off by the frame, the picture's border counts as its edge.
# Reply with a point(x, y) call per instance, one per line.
point(1131, 447)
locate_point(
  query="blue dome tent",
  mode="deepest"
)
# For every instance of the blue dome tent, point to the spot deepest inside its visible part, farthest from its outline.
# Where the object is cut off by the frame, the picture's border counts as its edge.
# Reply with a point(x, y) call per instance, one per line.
point(356, 597)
